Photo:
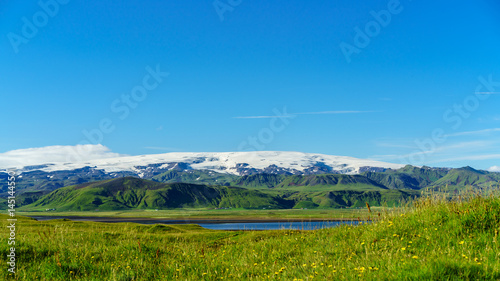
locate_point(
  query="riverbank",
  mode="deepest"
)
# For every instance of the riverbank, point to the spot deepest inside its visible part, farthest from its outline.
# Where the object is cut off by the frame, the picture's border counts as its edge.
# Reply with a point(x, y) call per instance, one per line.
point(177, 221)
point(229, 215)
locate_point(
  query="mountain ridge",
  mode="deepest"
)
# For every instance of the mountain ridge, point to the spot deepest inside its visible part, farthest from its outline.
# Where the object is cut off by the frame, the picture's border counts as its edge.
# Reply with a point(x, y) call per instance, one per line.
point(237, 163)
point(134, 193)
point(277, 190)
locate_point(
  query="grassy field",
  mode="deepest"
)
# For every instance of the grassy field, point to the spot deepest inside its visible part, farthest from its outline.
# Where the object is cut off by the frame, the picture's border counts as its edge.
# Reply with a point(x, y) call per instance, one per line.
point(432, 240)
point(228, 214)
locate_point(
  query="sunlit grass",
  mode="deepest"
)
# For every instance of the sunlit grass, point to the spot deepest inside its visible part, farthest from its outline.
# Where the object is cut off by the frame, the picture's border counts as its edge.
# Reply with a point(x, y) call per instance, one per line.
point(205, 213)
point(431, 239)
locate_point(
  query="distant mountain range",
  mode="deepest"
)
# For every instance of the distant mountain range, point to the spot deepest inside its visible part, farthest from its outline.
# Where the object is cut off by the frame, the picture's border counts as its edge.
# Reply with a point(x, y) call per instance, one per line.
point(272, 179)
point(134, 193)
point(201, 188)
point(50, 176)
point(236, 163)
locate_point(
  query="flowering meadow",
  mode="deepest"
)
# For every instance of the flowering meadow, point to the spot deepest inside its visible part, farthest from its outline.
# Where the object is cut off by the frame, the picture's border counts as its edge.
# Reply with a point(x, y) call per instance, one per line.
point(432, 238)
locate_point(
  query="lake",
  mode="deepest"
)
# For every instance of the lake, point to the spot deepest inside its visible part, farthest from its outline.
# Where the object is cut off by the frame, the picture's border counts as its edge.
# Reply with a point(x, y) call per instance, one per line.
point(213, 224)
point(307, 225)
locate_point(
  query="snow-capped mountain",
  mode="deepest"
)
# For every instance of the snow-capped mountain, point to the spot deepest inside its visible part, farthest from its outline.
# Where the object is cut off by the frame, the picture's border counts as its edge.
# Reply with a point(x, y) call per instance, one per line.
point(236, 163)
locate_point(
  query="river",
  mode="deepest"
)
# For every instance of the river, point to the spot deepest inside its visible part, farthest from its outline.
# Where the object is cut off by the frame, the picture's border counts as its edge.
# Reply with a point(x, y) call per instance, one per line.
point(214, 224)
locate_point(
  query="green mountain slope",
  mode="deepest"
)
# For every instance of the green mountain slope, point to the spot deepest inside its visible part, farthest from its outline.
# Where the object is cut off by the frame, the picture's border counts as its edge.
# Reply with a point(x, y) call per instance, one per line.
point(460, 178)
point(327, 190)
point(195, 176)
point(134, 193)
point(329, 182)
point(259, 180)
point(358, 198)
point(409, 177)
point(349, 198)
point(193, 188)
point(49, 181)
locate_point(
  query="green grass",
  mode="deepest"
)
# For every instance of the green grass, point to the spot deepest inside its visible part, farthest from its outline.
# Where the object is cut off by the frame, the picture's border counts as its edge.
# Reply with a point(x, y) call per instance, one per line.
point(432, 239)
point(228, 214)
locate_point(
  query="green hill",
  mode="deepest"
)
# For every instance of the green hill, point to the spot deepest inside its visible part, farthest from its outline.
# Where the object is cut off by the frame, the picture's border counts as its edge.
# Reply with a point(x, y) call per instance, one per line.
point(350, 198)
point(196, 177)
point(347, 198)
point(460, 178)
point(24, 198)
point(134, 193)
point(194, 188)
point(409, 177)
point(259, 180)
point(48, 181)
point(314, 191)
point(329, 182)
point(330, 190)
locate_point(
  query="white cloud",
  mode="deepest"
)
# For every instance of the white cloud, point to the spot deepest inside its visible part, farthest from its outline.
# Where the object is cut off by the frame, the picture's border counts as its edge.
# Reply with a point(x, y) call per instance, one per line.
point(480, 132)
point(292, 115)
point(487, 93)
point(264, 117)
point(494, 169)
point(336, 112)
point(54, 154)
point(469, 158)
point(456, 148)
point(456, 154)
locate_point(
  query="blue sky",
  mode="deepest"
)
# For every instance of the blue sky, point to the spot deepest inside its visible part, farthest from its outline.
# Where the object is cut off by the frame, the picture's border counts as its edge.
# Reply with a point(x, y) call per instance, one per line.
point(232, 71)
